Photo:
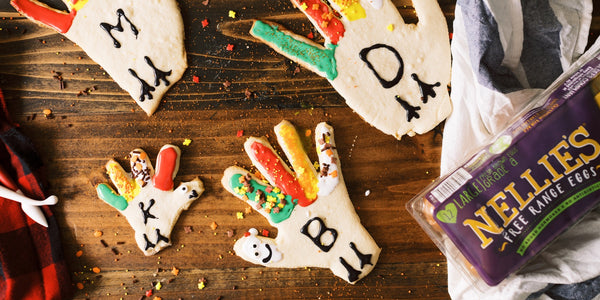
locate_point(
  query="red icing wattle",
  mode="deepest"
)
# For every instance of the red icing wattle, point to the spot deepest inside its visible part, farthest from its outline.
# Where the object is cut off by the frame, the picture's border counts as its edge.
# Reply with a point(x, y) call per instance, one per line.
point(166, 162)
point(277, 172)
point(59, 21)
point(324, 18)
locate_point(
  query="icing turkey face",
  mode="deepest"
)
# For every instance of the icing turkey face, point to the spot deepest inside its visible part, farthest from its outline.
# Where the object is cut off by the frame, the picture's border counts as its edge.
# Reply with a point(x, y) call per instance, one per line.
point(139, 43)
point(394, 75)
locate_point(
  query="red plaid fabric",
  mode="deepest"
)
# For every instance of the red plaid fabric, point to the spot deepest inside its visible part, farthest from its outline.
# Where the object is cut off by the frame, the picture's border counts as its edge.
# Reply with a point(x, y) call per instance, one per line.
point(32, 263)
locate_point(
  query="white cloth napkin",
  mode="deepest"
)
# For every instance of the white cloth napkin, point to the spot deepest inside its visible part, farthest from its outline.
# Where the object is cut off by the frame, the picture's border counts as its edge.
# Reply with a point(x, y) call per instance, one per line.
point(504, 53)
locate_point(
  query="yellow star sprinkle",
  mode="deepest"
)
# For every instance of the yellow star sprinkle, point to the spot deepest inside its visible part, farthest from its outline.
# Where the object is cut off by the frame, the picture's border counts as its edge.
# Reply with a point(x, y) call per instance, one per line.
point(303, 6)
point(232, 14)
point(239, 215)
point(187, 142)
point(390, 27)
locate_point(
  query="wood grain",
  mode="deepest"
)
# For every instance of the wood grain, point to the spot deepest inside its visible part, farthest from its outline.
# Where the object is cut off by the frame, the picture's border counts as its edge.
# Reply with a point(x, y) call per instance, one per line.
point(88, 129)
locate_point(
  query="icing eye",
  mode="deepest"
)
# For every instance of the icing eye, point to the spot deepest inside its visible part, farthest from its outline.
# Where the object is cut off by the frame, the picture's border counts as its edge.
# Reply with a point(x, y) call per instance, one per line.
point(255, 253)
point(254, 246)
point(184, 188)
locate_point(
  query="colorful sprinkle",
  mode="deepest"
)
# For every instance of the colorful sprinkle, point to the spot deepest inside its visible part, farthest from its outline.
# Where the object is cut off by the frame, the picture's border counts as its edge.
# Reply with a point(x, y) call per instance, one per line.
point(204, 23)
point(390, 27)
point(196, 79)
point(232, 14)
point(230, 47)
point(240, 133)
point(239, 215)
point(277, 205)
point(187, 142)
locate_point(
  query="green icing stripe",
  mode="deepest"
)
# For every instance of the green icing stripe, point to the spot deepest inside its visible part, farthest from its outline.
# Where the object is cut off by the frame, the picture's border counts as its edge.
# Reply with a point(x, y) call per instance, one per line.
point(553, 214)
point(108, 195)
point(283, 213)
point(322, 59)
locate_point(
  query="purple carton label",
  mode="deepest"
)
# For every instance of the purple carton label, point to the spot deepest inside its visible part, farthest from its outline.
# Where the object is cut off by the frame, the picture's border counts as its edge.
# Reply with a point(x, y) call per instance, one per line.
point(528, 187)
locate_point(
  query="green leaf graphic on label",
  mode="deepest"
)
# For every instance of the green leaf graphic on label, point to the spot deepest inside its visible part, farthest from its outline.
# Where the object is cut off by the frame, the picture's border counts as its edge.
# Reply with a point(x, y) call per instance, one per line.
point(500, 144)
point(447, 215)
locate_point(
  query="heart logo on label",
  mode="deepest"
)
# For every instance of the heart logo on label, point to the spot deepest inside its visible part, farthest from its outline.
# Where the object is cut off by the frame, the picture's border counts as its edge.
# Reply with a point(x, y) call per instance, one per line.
point(448, 215)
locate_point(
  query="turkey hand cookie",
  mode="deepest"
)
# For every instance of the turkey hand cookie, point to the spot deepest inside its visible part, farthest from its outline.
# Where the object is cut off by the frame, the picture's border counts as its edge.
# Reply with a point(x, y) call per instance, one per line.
point(316, 222)
point(394, 75)
point(138, 42)
point(148, 198)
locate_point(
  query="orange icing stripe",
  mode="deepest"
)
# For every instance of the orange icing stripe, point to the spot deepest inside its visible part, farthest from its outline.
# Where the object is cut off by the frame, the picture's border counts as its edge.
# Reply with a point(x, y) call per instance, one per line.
point(300, 162)
point(280, 176)
point(126, 185)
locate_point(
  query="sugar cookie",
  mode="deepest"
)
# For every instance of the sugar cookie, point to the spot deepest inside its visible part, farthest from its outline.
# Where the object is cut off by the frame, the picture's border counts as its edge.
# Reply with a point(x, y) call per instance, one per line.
point(147, 198)
point(394, 75)
point(139, 43)
point(312, 211)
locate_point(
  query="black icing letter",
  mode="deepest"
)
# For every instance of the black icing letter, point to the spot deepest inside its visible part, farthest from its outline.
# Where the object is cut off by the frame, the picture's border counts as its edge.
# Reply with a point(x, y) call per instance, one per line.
point(109, 28)
point(158, 74)
point(365, 259)
point(425, 88)
point(385, 83)
point(146, 212)
point(352, 273)
point(411, 111)
point(146, 88)
point(322, 230)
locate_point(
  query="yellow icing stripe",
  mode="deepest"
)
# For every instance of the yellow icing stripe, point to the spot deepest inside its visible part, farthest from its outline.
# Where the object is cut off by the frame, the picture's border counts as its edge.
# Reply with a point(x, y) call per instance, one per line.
point(127, 186)
point(76, 4)
point(305, 173)
point(351, 9)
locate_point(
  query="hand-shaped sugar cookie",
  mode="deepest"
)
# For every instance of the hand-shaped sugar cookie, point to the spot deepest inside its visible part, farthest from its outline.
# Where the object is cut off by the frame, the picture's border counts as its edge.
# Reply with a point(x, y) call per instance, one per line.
point(312, 211)
point(394, 75)
point(138, 42)
point(147, 198)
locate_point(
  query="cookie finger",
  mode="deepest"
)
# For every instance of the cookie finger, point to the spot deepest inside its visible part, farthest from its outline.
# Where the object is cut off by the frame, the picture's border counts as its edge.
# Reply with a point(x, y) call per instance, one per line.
point(290, 143)
point(329, 162)
point(274, 169)
point(266, 199)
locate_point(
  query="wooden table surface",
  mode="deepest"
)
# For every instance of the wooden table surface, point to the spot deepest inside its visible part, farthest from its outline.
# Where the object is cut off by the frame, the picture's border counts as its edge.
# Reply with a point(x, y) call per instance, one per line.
point(87, 129)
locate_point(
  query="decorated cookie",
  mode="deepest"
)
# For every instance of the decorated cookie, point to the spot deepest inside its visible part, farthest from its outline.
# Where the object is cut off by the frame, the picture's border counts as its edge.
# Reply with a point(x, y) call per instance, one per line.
point(138, 42)
point(394, 75)
point(311, 209)
point(147, 198)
